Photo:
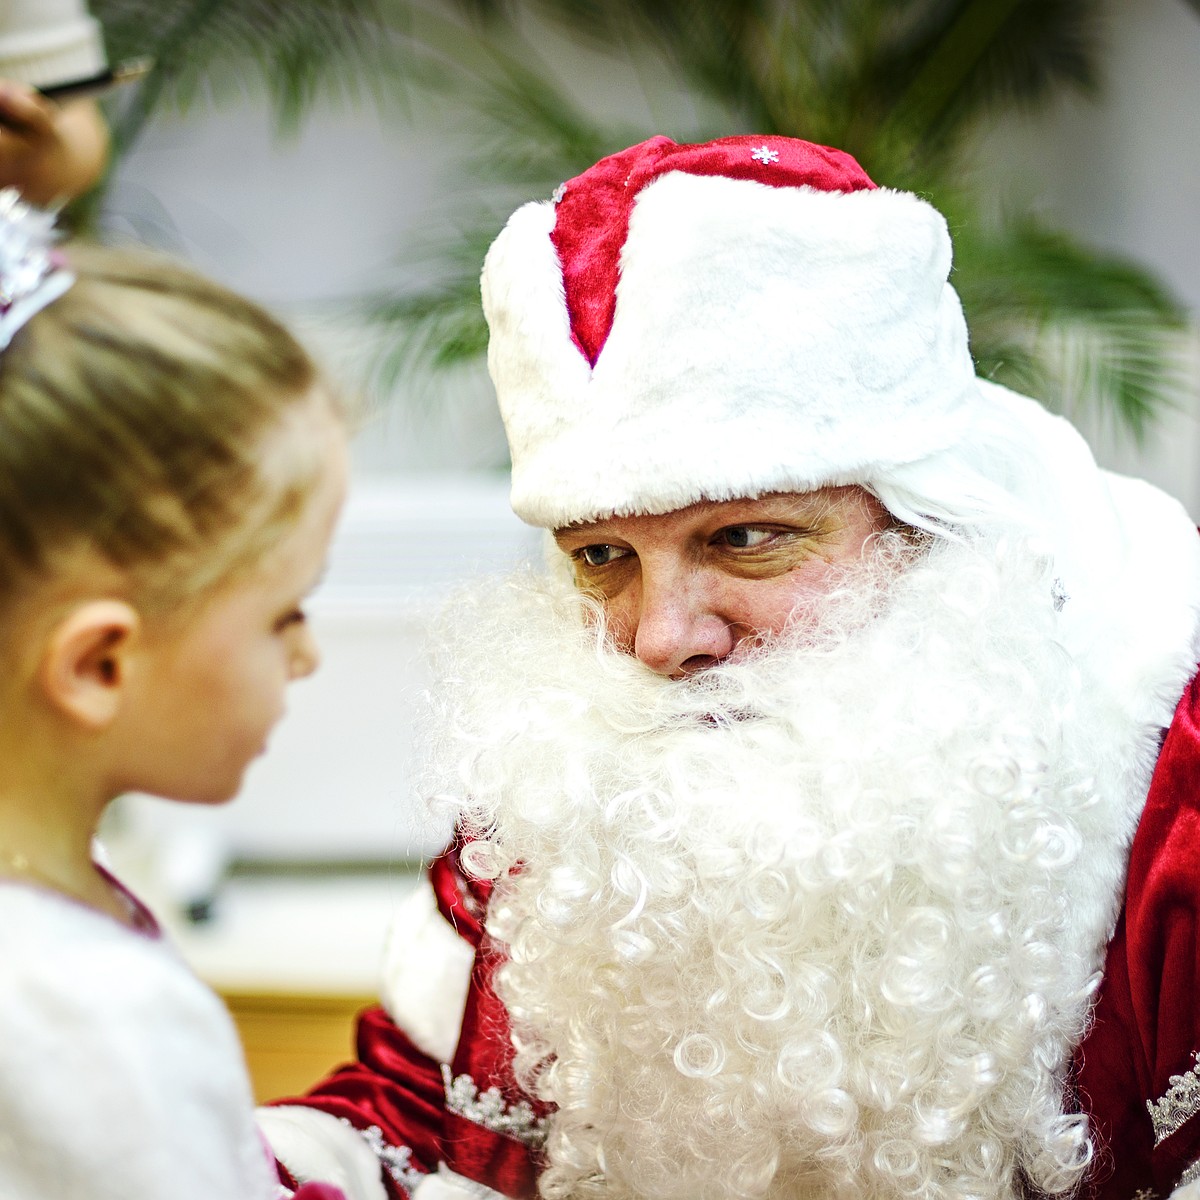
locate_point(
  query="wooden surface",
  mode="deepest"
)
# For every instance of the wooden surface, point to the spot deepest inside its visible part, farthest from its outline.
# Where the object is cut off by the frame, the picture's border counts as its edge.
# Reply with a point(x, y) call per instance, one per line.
point(293, 1039)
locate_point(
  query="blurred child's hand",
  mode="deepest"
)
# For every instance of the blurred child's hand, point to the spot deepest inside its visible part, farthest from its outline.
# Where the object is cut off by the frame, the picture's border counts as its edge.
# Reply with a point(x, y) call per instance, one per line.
point(51, 152)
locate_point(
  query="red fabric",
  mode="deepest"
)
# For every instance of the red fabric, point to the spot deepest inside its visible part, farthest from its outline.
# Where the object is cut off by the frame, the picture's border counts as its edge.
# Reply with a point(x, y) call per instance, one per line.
point(461, 899)
point(1147, 1023)
point(484, 1048)
point(393, 1086)
point(401, 1091)
point(485, 1054)
point(592, 218)
point(307, 1191)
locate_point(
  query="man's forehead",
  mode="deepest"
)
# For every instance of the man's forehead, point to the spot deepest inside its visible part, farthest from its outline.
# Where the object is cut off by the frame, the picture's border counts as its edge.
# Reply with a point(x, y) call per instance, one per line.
point(740, 510)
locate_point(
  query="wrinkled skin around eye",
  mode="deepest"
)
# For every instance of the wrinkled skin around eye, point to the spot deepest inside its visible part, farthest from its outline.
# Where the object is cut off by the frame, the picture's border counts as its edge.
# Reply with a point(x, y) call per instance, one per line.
point(688, 588)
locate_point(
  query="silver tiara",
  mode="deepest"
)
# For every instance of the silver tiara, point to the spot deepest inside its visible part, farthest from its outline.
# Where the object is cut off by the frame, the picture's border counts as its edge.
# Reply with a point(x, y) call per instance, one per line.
point(31, 274)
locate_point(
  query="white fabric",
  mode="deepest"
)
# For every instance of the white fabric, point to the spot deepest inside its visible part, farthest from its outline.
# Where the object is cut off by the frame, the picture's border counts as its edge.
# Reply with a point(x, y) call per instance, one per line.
point(121, 1076)
point(1127, 554)
point(764, 339)
point(1189, 1191)
point(49, 41)
point(426, 974)
point(316, 1146)
point(32, 303)
point(446, 1185)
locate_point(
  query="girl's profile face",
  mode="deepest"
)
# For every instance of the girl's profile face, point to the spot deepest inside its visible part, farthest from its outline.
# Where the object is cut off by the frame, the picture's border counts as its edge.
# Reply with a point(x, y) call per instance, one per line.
point(212, 688)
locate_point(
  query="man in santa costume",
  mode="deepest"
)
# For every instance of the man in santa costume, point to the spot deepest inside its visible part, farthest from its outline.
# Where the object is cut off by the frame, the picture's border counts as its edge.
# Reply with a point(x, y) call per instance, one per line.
point(827, 806)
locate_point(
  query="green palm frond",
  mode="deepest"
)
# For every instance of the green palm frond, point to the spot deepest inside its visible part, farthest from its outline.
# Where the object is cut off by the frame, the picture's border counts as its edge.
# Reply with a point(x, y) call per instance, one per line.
point(843, 70)
point(440, 325)
point(208, 49)
point(1095, 327)
point(509, 95)
point(901, 84)
point(963, 59)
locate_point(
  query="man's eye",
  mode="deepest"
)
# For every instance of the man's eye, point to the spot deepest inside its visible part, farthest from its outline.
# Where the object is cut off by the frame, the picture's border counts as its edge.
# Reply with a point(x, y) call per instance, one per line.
point(599, 556)
point(745, 537)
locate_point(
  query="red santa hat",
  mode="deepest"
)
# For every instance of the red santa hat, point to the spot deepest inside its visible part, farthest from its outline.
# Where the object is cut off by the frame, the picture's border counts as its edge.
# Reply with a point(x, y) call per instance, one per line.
point(687, 322)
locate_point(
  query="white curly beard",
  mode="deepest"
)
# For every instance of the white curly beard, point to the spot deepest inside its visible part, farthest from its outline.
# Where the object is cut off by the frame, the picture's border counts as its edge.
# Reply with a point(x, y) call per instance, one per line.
point(822, 923)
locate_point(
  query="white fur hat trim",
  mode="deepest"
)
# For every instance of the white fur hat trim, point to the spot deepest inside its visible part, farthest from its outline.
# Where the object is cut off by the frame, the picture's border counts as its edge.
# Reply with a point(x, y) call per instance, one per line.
point(764, 339)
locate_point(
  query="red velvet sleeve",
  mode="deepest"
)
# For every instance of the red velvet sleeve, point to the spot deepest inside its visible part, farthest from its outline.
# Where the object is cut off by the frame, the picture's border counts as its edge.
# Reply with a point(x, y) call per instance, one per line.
point(394, 1094)
point(1136, 1069)
point(417, 1113)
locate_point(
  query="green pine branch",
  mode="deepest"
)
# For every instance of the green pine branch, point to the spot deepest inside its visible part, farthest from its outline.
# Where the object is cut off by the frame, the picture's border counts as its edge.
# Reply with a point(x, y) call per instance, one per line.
point(901, 84)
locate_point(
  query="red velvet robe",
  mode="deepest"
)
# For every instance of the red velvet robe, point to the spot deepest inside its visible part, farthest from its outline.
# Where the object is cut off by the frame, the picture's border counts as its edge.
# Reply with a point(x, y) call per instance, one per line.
point(404, 1093)
point(1134, 1073)
point(1136, 1069)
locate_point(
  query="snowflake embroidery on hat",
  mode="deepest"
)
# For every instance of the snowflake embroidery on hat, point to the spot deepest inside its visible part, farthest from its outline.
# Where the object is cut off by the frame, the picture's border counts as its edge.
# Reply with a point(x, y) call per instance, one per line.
point(558, 193)
point(765, 155)
point(1180, 1104)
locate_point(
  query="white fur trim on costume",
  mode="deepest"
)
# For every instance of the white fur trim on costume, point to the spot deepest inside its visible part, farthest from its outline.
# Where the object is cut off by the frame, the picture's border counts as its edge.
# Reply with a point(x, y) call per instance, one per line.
point(426, 975)
point(315, 1146)
point(120, 1072)
point(1127, 553)
point(447, 1185)
point(764, 339)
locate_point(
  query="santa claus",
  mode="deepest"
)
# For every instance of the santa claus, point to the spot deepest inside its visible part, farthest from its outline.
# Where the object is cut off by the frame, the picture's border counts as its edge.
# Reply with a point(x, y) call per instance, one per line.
point(827, 806)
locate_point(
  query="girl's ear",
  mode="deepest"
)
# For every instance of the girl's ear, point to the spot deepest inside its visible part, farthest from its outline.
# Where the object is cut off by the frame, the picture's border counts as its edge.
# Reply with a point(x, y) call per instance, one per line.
point(85, 666)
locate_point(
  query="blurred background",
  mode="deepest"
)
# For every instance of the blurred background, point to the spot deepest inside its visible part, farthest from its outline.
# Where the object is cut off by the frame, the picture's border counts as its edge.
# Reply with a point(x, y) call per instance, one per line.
point(347, 162)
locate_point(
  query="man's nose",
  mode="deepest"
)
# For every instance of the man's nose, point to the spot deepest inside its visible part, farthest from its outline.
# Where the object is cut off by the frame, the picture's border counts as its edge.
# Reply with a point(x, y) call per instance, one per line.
point(680, 630)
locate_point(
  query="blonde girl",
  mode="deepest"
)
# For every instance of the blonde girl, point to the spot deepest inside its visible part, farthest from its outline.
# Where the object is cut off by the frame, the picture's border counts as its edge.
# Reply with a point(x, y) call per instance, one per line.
point(171, 468)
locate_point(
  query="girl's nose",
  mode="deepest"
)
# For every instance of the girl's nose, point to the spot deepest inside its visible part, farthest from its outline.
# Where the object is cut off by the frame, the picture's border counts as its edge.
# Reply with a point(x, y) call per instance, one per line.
point(306, 655)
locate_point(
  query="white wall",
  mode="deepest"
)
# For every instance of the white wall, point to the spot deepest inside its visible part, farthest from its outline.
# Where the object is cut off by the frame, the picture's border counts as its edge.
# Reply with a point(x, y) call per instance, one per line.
point(1125, 172)
point(305, 225)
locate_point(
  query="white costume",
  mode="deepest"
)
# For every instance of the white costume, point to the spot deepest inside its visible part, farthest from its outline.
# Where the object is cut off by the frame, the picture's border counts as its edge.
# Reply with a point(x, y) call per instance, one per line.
point(121, 1076)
